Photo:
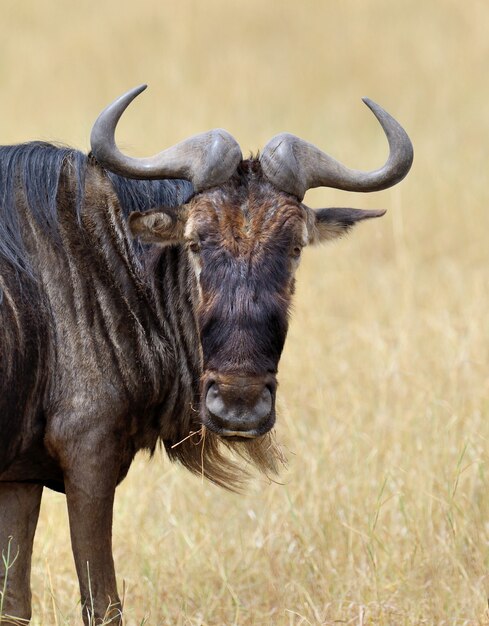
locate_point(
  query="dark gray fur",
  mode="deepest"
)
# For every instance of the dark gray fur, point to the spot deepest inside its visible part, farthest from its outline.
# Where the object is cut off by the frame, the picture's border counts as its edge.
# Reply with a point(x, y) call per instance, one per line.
point(98, 357)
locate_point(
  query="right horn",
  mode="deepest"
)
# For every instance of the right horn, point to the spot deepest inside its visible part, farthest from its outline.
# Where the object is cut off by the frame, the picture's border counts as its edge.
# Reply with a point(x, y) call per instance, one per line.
point(294, 165)
point(205, 160)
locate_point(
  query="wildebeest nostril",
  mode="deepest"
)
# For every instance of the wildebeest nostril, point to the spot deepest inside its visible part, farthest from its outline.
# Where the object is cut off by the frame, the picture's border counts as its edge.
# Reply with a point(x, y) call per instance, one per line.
point(215, 402)
point(264, 404)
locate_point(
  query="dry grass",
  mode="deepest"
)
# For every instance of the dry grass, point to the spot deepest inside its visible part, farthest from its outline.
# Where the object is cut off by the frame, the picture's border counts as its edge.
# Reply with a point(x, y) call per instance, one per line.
point(383, 515)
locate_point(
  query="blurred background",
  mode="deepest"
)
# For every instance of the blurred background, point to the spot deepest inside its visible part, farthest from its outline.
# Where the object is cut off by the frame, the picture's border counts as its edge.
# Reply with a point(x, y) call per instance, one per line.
point(382, 515)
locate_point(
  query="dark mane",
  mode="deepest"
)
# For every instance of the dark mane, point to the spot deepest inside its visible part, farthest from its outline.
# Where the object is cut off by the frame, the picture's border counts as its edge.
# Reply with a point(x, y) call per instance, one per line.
point(142, 195)
point(34, 170)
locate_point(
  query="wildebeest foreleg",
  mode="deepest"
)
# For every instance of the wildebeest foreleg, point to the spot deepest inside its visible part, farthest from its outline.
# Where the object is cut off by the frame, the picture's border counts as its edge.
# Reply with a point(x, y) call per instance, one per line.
point(90, 511)
point(19, 512)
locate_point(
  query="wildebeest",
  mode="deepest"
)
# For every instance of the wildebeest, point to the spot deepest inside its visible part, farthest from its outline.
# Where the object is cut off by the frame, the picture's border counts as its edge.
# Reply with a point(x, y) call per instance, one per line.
point(146, 301)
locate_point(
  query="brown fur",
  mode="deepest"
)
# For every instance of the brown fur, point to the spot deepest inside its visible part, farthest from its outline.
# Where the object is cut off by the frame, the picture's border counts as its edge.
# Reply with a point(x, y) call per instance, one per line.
point(107, 350)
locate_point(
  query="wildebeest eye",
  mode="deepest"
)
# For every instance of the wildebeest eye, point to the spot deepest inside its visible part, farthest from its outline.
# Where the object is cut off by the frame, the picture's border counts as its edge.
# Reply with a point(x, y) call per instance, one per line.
point(194, 247)
point(296, 252)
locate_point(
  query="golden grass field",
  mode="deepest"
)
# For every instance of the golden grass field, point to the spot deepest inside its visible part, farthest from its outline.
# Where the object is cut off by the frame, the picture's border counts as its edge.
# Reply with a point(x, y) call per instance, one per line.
point(382, 516)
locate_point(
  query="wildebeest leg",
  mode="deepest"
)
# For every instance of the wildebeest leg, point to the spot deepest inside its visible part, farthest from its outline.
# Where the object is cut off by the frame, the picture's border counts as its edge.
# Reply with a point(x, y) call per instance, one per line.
point(90, 496)
point(19, 512)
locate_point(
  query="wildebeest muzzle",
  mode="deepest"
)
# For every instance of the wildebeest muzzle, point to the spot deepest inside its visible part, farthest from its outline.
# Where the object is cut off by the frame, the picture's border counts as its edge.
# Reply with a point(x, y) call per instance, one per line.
point(239, 406)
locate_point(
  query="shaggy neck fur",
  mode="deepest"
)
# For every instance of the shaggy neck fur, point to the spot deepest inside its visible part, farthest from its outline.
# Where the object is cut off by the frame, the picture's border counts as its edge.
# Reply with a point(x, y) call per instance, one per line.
point(112, 322)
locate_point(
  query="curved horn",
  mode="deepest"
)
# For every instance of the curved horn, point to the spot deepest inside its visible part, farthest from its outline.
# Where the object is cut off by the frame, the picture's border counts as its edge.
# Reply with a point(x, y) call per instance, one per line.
point(294, 166)
point(206, 160)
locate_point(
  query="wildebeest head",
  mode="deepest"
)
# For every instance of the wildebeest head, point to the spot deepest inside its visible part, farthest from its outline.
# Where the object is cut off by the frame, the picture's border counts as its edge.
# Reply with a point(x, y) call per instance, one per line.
point(245, 228)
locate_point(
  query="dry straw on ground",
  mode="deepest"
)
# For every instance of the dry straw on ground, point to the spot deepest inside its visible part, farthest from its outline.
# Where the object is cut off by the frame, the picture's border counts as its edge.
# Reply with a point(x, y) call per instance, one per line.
point(383, 514)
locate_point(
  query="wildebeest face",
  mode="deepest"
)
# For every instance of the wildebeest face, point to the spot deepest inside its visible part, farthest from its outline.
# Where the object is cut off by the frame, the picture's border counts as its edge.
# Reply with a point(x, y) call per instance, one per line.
point(245, 246)
point(244, 230)
point(244, 241)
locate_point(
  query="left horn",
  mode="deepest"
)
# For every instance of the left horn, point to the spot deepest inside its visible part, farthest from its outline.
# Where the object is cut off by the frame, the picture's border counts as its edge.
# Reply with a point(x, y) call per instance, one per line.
point(206, 160)
point(294, 166)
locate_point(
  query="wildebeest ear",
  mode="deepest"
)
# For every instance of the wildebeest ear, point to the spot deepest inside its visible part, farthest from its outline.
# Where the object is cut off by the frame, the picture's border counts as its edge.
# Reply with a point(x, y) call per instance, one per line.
point(333, 223)
point(156, 227)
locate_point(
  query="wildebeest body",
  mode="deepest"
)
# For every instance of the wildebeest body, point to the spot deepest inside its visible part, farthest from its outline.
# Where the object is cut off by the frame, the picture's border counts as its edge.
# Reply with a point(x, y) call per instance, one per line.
point(110, 344)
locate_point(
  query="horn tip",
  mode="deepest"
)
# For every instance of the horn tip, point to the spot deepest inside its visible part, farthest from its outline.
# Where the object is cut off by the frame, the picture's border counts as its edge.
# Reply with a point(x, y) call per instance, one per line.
point(370, 103)
point(379, 213)
point(140, 88)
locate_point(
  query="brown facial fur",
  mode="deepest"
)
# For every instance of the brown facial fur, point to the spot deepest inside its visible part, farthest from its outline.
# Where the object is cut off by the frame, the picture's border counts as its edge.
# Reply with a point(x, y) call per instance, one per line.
point(244, 240)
